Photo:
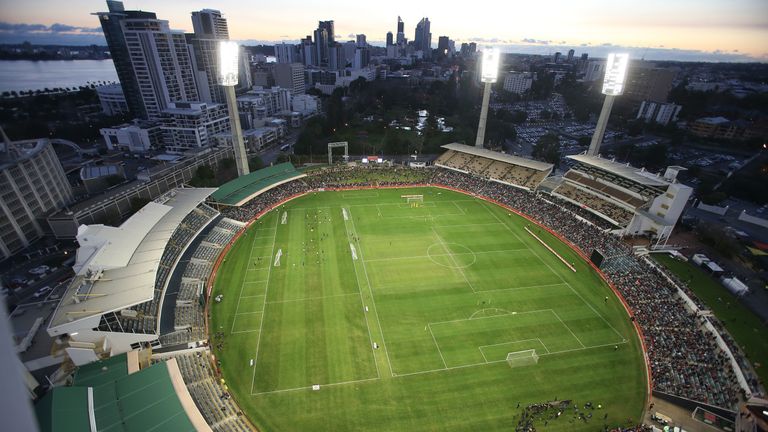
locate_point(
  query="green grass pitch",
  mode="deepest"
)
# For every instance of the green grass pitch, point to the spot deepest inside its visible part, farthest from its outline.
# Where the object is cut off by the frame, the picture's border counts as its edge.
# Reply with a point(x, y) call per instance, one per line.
point(445, 291)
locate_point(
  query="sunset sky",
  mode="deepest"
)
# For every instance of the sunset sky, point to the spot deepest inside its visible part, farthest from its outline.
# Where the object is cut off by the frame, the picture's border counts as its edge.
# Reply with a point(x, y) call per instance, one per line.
point(713, 29)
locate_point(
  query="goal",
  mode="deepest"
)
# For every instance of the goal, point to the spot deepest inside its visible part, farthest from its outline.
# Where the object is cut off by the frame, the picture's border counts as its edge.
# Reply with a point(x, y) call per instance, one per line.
point(522, 358)
point(414, 200)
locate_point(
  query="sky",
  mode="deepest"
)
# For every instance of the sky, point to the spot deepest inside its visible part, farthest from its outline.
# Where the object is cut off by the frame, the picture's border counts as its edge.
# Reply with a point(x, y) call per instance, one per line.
point(709, 30)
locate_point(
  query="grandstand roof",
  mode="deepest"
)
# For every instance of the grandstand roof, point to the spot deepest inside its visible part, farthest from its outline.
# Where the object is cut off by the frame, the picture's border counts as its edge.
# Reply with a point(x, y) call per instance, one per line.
point(514, 160)
point(624, 170)
point(145, 400)
point(242, 189)
point(117, 266)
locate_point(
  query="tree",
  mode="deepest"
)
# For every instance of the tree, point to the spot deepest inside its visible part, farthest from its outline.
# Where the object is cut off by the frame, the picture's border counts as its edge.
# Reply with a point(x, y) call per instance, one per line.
point(547, 148)
point(255, 163)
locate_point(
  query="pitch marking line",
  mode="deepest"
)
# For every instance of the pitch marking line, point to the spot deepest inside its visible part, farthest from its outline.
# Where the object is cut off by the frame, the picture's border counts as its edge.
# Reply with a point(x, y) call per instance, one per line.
point(252, 296)
point(522, 287)
point(446, 254)
point(310, 387)
point(263, 308)
point(440, 240)
point(499, 361)
point(557, 274)
point(362, 302)
point(569, 329)
point(373, 298)
point(312, 298)
point(245, 331)
point(429, 326)
point(508, 343)
point(242, 286)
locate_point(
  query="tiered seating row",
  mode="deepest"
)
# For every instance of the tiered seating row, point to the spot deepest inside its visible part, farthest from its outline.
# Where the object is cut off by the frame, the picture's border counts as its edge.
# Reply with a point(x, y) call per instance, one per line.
point(619, 214)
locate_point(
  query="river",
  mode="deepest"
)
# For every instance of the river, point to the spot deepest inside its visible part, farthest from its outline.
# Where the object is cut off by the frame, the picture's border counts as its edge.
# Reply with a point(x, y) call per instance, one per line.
point(37, 75)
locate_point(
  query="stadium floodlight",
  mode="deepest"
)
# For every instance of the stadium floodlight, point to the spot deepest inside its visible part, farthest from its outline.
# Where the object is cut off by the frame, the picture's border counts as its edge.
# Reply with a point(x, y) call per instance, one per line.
point(490, 65)
point(489, 73)
point(613, 85)
point(615, 74)
point(228, 57)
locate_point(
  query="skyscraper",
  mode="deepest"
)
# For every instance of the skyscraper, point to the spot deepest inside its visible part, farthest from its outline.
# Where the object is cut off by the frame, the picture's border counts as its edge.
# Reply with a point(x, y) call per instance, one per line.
point(113, 32)
point(570, 55)
point(443, 43)
point(307, 53)
point(360, 41)
point(286, 53)
point(291, 77)
point(161, 64)
point(390, 39)
point(210, 27)
point(400, 31)
point(423, 38)
point(209, 24)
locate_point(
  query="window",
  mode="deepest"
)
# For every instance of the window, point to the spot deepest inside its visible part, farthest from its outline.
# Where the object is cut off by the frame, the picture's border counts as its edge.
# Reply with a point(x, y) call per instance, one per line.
point(665, 206)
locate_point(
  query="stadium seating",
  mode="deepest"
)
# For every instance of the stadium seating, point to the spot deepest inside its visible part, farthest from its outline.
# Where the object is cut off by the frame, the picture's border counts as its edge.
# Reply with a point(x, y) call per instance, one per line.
point(611, 191)
point(619, 214)
point(211, 398)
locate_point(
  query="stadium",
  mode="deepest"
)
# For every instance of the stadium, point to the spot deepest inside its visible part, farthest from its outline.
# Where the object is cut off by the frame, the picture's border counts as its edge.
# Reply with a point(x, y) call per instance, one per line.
point(476, 293)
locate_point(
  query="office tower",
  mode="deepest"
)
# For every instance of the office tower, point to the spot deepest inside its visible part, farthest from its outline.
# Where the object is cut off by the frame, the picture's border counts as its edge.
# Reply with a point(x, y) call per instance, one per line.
point(400, 31)
point(360, 41)
point(557, 56)
point(290, 76)
point(307, 52)
point(113, 32)
point(208, 24)
point(34, 185)
point(390, 39)
point(442, 46)
point(570, 55)
point(362, 58)
point(245, 79)
point(328, 27)
point(349, 48)
point(472, 48)
point(337, 60)
point(286, 53)
point(321, 47)
point(161, 63)
point(423, 38)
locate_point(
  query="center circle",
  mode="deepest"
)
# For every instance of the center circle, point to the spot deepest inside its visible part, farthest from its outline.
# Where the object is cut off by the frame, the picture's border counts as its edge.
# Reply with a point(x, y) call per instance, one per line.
point(452, 255)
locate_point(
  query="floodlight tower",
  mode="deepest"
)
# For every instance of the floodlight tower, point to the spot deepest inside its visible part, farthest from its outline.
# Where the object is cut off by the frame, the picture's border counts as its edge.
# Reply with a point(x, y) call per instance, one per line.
point(228, 61)
point(613, 85)
point(488, 75)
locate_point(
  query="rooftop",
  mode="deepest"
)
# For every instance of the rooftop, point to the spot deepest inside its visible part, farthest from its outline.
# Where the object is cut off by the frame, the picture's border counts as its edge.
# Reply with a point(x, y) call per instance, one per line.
point(501, 157)
point(242, 189)
point(623, 170)
point(116, 267)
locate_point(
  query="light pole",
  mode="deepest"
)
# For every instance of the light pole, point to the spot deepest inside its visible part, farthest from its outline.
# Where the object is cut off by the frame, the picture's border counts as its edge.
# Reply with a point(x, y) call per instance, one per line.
point(488, 75)
point(228, 60)
point(613, 85)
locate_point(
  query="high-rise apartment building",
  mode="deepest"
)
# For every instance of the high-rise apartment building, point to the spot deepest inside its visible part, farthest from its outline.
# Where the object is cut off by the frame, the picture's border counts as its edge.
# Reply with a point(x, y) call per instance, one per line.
point(518, 82)
point(423, 38)
point(645, 81)
point(290, 76)
point(307, 52)
point(390, 39)
point(210, 28)
point(360, 41)
point(113, 33)
point(161, 62)
point(570, 55)
point(286, 53)
point(362, 58)
point(32, 186)
point(209, 24)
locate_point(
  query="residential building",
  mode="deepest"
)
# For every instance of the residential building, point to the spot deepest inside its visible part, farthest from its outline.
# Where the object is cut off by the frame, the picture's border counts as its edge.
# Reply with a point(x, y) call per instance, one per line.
point(118, 50)
point(362, 58)
point(33, 185)
point(657, 112)
point(161, 62)
point(137, 137)
point(595, 70)
point(306, 105)
point(518, 82)
point(390, 39)
point(360, 41)
point(258, 104)
point(188, 125)
point(307, 54)
point(112, 99)
point(570, 55)
point(290, 76)
point(209, 24)
point(337, 59)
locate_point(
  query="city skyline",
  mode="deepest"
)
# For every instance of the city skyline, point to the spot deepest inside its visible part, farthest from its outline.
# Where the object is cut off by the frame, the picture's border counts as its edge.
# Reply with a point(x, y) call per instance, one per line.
point(686, 30)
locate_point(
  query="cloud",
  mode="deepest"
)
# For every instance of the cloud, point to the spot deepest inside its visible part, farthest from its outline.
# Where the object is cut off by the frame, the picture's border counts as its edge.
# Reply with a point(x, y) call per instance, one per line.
point(351, 35)
point(535, 41)
point(62, 34)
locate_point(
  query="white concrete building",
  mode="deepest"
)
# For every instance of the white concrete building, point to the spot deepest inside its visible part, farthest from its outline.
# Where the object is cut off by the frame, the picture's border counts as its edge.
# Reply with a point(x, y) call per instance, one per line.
point(137, 137)
point(658, 112)
point(595, 70)
point(112, 99)
point(306, 105)
point(518, 82)
point(188, 126)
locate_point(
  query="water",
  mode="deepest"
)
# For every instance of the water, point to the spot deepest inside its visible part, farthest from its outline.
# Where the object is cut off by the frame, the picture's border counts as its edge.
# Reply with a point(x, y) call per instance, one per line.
point(37, 75)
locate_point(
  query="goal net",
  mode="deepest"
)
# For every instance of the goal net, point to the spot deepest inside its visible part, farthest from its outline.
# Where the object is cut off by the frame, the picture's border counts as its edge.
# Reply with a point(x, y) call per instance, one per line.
point(522, 358)
point(414, 200)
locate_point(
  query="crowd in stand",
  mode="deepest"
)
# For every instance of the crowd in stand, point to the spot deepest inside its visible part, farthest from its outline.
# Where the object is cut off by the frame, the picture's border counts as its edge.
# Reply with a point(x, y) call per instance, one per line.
point(684, 359)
